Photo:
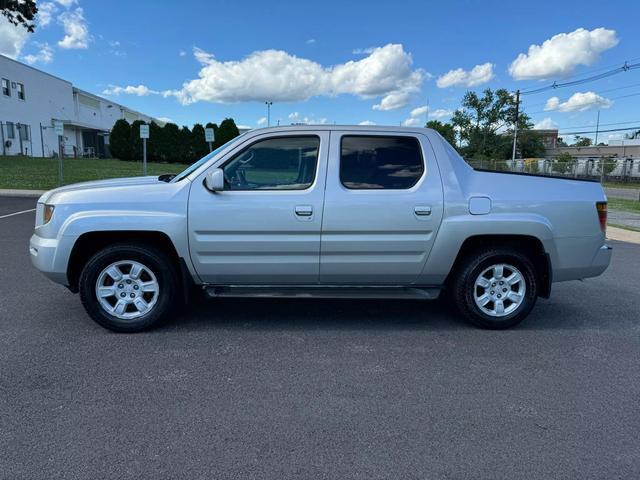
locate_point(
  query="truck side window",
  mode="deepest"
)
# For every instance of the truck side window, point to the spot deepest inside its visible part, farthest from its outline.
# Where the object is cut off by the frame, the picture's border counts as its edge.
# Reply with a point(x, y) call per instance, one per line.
point(282, 163)
point(380, 162)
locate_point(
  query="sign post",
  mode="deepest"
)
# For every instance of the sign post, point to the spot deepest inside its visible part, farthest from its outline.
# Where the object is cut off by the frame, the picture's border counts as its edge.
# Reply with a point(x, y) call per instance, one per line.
point(59, 129)
point(144, 134)
point(209, 136)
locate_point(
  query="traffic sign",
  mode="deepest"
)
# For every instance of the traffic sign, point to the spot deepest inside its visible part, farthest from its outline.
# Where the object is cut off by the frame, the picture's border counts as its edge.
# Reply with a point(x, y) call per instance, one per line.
point(209, 135)
point(144, 131)
point(59, 127)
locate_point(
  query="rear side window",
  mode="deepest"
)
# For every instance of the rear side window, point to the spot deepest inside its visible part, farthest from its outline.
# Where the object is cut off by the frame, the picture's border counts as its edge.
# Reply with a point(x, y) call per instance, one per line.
point(380, 162)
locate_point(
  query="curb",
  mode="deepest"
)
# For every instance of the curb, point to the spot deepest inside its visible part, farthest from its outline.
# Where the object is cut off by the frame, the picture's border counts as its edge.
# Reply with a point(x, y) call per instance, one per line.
point(622, 235)
point(21, 193)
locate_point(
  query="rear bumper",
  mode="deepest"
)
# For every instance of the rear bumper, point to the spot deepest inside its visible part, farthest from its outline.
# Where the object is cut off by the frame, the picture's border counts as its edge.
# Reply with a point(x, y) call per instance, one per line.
point(43, 257)
point(600, 261)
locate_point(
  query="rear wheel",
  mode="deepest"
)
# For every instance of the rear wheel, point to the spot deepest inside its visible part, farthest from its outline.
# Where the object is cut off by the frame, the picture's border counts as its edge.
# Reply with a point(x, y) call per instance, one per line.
point(495, 288)
point(128, 287)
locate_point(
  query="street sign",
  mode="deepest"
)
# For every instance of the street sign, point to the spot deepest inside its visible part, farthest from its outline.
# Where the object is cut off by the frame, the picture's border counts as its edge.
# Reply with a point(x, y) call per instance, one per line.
point(59, 127)
point(144, 131)
point(209, 136)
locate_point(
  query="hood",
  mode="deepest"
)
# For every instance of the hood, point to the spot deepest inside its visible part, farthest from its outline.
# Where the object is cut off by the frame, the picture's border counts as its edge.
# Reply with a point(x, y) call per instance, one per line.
point(58, 193)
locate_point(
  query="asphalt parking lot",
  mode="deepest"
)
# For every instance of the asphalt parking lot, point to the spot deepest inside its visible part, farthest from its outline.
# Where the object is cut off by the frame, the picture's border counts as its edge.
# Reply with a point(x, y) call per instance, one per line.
point(317, 389)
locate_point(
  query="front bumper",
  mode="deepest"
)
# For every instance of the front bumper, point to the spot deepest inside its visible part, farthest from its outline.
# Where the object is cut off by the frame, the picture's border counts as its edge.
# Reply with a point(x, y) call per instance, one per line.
point(43, 256)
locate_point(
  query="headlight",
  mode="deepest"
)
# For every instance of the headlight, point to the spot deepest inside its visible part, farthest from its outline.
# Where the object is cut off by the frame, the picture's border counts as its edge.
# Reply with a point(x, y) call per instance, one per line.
point(47, 213)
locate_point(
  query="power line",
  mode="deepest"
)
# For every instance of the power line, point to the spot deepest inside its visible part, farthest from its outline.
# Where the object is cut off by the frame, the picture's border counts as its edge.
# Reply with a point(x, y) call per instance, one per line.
point(555, 85)
point(597, 91)
point(601, 131)
point(602, 124)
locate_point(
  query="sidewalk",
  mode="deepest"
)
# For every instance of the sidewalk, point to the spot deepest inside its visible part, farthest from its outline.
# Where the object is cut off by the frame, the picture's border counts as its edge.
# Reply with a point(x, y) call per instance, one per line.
point(21, 193)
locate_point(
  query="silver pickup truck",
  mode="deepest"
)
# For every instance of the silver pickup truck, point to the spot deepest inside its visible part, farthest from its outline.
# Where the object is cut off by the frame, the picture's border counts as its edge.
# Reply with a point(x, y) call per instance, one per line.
point(321, 211)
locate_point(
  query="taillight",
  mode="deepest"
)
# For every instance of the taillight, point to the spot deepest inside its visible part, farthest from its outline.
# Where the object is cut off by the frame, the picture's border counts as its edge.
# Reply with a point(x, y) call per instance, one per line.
point(601, 207)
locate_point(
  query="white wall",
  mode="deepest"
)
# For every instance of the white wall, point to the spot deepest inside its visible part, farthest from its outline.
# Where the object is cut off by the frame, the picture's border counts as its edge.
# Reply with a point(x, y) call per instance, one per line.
point(49, 98)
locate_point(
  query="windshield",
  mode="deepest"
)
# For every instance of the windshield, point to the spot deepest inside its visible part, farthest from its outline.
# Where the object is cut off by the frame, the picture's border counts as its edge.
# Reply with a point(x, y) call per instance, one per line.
point(194, 166)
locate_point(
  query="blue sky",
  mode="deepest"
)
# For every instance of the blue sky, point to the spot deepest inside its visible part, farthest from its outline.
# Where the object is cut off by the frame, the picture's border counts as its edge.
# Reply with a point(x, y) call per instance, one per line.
point(343, 62)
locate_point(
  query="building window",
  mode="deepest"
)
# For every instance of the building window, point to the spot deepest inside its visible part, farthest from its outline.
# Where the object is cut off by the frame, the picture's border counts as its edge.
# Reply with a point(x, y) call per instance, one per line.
point(10, 130)
point(380, 162)
point(6, 87)
point(20, 89)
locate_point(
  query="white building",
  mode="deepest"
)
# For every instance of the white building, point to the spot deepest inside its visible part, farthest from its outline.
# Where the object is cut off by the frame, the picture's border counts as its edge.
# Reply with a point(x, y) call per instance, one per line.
point(31, 100)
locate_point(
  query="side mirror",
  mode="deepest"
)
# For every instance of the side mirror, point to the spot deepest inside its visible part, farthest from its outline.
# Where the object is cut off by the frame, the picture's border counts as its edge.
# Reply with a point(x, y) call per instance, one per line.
point(214, 181)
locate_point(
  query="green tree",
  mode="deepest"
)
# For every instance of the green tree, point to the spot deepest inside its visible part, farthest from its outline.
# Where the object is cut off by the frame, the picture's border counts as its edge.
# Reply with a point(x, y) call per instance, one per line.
point(609, 164)
point(20, 12)
point(136, 141)
point(563, 163)
point(197, 145)
point(225, 132)
point(582, 141)
point(481, 118)
point(445, 129)
point(120, 140)
point(530, 144)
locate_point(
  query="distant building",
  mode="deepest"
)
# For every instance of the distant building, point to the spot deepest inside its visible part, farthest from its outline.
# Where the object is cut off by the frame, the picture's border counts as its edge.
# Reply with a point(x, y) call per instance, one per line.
point(625, 154)
point(31, 100)
point(549, 137)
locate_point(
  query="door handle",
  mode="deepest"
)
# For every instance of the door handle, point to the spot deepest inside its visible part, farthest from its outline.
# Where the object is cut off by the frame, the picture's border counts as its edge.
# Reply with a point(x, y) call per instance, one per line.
point(304, 210)
point(422, 210)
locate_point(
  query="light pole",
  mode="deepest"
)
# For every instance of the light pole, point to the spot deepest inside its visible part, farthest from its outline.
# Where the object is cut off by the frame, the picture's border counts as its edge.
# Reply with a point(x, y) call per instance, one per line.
point(268, 104)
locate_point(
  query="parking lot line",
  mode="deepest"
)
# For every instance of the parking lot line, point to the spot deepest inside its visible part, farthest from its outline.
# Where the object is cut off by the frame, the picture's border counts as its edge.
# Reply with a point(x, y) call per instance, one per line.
point(17, 213)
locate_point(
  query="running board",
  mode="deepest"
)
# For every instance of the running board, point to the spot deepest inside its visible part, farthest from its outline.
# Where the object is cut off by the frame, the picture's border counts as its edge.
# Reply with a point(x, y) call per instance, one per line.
point(323, 291)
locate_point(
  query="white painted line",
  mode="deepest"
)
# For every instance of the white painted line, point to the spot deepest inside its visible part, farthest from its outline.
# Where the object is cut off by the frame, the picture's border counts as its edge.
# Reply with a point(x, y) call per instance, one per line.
point(17, 213)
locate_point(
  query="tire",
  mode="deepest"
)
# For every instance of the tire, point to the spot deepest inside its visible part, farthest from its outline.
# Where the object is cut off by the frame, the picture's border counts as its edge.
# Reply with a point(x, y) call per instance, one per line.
point(156, 286)
point(517, 300)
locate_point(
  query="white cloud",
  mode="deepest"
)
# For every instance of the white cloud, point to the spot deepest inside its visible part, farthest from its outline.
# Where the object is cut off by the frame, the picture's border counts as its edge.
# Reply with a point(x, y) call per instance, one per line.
point(363, 51)
point(45, 55)
point(578, 102)
point(262, 121)
point(45, 13)
point(182, 53)
point(277, 76)
point(413, 122)
point(296, 118)
point(66, 3)
point(310, 41)
point(416, 112)
point(461, 78)
point(12, 38)
point(545, 124)
point(393, 100)
point(440, 113)
point(367, 122)
point(140, 90)
point(75, 28)
point(562, 53)
point(165, 119)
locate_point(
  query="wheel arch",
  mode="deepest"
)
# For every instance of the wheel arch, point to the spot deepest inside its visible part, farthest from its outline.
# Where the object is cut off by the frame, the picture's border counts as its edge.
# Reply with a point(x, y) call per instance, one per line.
point(88, 244)
point(527, 244)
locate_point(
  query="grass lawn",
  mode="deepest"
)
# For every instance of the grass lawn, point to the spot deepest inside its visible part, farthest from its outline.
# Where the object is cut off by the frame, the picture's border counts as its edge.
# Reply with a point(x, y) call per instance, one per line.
point(624, 205)
point(633, 186)
point(42, 173)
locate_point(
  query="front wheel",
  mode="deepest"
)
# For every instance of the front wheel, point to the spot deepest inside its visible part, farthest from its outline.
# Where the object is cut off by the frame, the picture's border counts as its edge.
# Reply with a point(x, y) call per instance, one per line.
point(128, 287)
point(496, 288)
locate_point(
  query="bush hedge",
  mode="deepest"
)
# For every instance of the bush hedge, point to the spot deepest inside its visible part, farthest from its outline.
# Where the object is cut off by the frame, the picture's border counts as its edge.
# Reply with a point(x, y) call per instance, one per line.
point(168, 143)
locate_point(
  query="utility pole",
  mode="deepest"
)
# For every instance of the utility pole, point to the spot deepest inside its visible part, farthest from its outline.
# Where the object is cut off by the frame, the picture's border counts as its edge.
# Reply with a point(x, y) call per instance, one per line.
point(268, 104)
point(597, 128)
point(515, 126)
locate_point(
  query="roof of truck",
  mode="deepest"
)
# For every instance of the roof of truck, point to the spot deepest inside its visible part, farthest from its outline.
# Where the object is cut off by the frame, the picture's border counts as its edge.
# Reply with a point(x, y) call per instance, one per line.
point(364, 128)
